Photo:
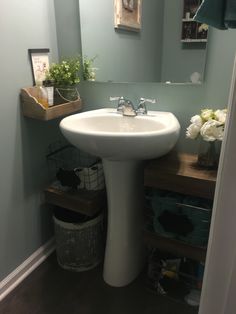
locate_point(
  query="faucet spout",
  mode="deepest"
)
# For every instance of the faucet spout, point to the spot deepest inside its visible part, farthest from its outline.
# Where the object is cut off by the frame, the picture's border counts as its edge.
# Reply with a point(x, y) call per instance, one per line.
point(128, 109)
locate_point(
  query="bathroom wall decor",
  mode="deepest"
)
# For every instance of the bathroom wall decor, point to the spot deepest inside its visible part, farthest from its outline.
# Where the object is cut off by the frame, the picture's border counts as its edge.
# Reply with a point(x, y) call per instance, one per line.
point(127, 14)
point(40, 63)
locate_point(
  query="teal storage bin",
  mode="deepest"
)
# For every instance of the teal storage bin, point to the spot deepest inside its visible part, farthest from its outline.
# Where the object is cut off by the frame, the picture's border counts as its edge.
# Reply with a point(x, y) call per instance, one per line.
point(194, 212)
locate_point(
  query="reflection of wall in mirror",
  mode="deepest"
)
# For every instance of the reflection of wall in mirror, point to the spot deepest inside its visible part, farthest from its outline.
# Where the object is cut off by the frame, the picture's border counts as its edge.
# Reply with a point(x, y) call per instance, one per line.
point(153, 54)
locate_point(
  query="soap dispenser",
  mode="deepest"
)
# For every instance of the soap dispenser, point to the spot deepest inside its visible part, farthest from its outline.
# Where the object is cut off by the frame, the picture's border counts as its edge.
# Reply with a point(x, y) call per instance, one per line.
point(41, 94)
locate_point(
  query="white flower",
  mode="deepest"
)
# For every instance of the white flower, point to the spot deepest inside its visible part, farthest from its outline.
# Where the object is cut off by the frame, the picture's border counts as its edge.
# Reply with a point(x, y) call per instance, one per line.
point(212, 130)
point(197, 120)
point(193, 131)
point(220, 115)
point(203, 27)
point(207, 114)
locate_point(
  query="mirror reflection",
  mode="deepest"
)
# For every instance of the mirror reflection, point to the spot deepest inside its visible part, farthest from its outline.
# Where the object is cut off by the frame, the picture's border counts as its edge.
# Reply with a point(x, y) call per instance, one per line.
point(157, 43)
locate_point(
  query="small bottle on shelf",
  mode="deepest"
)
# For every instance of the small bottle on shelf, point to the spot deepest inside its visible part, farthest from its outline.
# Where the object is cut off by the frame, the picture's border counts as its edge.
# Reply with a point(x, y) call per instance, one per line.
point(41, 94)
point(48, 85)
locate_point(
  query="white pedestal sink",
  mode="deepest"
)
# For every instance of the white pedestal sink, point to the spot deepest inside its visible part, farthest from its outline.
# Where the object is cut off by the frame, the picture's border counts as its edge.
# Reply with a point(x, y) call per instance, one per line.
point(123, 142)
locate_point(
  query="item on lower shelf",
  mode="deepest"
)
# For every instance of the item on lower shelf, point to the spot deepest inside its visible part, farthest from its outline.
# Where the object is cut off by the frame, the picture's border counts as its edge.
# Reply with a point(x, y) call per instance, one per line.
point(68, 178)
point(193, 298)
point(172, 276)
point(163, 274)
point(91, 178)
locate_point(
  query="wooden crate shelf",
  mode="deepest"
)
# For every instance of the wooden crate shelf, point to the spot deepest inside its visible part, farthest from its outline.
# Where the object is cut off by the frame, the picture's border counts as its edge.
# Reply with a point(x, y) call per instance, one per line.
point(180, 173)
point(175, 247)
point(33, 109)
point(85, 202)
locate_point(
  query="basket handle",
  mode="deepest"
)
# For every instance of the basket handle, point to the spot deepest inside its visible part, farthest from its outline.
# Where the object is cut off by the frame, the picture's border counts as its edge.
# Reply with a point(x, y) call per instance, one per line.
point(67, 100)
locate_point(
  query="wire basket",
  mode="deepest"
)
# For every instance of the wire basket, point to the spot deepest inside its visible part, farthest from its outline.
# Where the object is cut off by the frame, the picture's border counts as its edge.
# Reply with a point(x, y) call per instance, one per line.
point(74, 168)
point(80, 245)
point(180, 217)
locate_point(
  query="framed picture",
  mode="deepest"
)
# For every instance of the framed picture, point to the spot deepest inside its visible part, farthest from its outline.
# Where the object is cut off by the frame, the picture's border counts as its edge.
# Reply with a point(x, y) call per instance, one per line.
point(40, 63)
point(128, 14)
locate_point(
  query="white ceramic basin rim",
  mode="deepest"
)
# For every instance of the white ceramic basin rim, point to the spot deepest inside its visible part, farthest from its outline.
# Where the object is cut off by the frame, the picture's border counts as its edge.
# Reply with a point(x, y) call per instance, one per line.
point(107, 134)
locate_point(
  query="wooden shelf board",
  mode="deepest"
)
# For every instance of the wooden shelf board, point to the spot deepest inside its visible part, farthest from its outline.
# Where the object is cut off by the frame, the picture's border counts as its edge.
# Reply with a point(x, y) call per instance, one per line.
point(85, 202)
point(180, 173)
point(175, 246)
point(31, 108)
point(189, 20)
point(193, 40)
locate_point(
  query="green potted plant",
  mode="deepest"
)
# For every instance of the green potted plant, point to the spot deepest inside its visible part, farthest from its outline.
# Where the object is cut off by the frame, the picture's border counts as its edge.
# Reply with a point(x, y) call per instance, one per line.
point(65, 77)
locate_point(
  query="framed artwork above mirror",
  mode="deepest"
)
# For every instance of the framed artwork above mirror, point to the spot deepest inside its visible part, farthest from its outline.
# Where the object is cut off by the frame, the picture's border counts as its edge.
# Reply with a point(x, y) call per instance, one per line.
point(127, 14)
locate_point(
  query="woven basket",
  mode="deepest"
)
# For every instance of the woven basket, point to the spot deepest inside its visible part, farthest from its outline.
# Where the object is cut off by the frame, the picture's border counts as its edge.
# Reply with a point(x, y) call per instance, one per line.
point(79, 246)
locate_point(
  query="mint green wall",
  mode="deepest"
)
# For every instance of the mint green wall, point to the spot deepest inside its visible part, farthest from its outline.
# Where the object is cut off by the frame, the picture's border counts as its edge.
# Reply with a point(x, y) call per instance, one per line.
point(188, 57)
point(123, 56)
point(68, 27)
point(25, 224)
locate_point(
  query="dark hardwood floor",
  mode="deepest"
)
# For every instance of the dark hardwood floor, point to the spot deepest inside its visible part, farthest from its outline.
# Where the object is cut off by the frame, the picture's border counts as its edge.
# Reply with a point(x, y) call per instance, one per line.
point(52, 290)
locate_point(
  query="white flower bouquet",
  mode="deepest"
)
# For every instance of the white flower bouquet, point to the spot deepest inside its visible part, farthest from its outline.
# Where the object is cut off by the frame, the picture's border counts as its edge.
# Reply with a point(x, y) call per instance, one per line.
point(209, 124)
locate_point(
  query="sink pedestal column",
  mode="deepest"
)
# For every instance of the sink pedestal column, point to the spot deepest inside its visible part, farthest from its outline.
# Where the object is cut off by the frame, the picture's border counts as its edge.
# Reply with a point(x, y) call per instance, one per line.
point(124, 253)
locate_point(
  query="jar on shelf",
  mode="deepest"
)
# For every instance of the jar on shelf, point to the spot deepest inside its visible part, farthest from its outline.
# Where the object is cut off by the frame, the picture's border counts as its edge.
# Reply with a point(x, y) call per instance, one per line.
point(208, 154)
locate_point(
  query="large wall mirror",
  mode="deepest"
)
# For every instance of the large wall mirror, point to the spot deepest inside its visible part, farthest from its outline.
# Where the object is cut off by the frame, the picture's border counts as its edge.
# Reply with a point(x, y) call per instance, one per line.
point(154, 53)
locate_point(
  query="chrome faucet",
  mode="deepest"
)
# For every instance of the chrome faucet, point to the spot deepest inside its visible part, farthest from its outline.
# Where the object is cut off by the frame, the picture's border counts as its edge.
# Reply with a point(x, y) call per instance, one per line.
point(142, 109)
point(126, 107)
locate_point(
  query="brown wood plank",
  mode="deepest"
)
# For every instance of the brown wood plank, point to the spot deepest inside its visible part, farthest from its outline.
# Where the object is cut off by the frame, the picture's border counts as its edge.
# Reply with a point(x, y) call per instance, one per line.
point(174, 246)
point(180, 173)
point(85, 202)
point(31, 108)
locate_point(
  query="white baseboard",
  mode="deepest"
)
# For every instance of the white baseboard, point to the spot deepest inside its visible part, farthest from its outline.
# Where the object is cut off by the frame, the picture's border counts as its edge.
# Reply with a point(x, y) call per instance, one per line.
point(23, 270)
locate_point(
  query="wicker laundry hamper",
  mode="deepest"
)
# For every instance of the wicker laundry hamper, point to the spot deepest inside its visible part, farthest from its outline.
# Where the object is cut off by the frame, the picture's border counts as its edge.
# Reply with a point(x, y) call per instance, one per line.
point(79, 246)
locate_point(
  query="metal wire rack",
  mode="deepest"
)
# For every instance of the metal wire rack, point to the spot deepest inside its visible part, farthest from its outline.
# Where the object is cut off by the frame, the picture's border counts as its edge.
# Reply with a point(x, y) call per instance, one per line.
point(74, 168)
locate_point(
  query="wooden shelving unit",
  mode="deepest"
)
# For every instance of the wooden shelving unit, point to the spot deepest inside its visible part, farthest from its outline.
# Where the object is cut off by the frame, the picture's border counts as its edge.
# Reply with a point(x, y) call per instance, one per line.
point(176, 247)
point(85, 202)
point(31, 108)
point(179, 173)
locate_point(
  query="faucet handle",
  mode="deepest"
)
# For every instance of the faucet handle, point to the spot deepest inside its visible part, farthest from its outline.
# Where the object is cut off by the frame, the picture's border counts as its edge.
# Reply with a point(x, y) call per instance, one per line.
point(114, 98)
point(152, 101)
point(121, 102)
point(142, 109)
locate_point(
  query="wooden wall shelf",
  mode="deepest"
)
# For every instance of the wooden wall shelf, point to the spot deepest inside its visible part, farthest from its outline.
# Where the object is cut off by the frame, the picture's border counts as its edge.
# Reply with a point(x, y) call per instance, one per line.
point(85, 202)
point(173, 246)
point(180, 173)
point(33, 109)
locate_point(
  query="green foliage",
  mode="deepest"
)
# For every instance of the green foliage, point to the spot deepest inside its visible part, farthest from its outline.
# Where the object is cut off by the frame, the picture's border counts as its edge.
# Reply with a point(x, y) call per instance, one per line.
point(65, 73)
point(88, 70)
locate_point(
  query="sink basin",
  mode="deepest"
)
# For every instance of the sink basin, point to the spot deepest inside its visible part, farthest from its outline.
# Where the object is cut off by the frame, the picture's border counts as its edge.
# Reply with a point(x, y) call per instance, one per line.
point(109, 135)
point(123, 142)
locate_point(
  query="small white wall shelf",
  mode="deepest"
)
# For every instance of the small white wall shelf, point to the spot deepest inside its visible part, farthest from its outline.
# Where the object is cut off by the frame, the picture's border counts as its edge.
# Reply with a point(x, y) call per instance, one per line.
point(191, 30)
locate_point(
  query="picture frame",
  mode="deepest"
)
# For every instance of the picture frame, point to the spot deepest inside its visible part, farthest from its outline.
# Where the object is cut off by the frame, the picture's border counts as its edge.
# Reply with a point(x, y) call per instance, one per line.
point(39, 59)
point(127, 14)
